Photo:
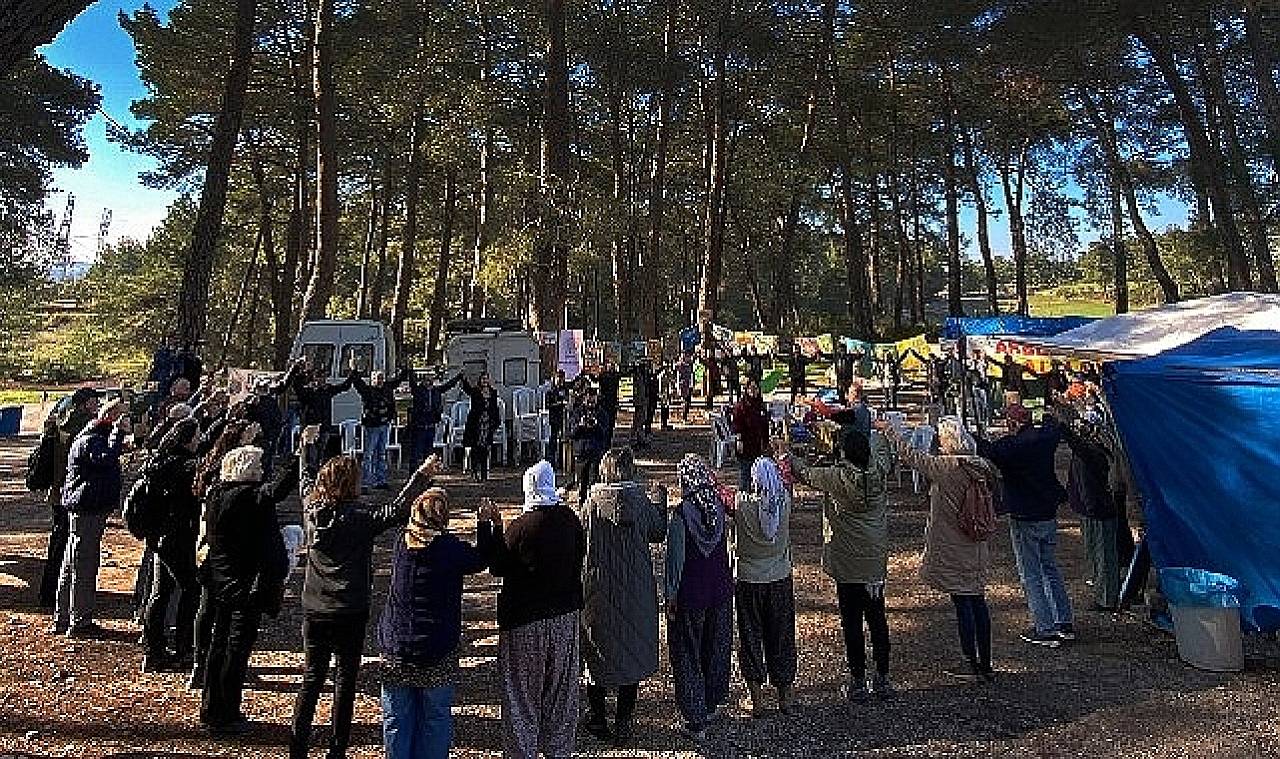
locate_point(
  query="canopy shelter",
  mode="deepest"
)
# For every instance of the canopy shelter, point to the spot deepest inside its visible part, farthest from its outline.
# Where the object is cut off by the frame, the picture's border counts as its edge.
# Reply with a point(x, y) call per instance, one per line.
point(1199, 424)
point(956, 327)
point(1146, 333)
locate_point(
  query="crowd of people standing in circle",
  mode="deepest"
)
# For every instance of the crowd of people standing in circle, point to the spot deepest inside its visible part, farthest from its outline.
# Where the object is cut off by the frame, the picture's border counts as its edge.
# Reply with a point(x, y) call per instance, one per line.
point(578, 586)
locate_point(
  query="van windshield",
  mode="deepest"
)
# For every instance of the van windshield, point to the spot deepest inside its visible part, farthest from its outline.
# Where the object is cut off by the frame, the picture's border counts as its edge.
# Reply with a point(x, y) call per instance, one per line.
point(515, 372)
point(358, 356)
point(320, 356)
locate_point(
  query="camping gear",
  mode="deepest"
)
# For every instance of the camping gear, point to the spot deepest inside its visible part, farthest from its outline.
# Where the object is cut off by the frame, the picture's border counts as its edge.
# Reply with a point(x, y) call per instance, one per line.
point(1198, 424)
point(1206, 617)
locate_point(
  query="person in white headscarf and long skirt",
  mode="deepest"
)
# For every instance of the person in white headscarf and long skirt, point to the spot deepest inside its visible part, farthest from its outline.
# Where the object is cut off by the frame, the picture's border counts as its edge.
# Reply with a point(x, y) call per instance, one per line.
point(539, 558)
point(763, 593)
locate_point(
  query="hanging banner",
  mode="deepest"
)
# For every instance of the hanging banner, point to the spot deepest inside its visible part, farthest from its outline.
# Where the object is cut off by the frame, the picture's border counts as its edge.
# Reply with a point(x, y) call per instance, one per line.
point(826, 344)
point(808, 346)
point(570, 352)
point(1034, 357)
point(689, 339)
point(547, 338)
point(909, 348)
point(240, 382)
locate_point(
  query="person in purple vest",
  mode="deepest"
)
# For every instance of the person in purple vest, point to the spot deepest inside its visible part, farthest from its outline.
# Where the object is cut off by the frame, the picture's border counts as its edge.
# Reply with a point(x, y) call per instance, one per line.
point(699, 595)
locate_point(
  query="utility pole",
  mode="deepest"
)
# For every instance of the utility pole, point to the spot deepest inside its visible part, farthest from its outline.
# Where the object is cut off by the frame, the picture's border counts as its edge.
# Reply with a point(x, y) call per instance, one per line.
point(103, 227)
point(62, 246)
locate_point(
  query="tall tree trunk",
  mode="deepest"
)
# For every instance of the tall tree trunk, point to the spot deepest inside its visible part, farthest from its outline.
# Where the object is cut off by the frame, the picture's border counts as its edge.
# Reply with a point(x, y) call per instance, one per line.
point(1119, 250)
point(651, 271)
point(1262, 55)
point(713, 258)
point(551, 264)
point(1013, 180)
point(876, 239)
point(378, 296)
point(619, 258)
point(974, 178)
point(193, 298)
point(1102, 114)
point(409, 238)
point(860, 308)
point(902, 256)
point(476, 300)
point(238, 306)
point(366, 253)
point(438, 298)
point(918, 244)
point(951, 189)
point(1205, 158)
point(251, 330)
point(315, 304)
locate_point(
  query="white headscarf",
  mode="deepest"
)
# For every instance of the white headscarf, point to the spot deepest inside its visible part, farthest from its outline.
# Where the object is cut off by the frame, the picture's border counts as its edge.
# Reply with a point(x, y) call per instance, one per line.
point(540, 487)
point(766, 483)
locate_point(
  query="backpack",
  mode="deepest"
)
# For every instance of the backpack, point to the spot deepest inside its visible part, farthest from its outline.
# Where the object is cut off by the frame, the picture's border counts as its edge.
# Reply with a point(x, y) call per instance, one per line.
point(144, 508)
point(977, 517)
point(40, 465)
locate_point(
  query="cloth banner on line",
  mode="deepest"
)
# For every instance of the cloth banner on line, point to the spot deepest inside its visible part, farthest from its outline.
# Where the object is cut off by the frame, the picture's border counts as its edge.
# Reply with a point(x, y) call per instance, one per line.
point(240, 382)
point(570, 352)
point(1034, 357)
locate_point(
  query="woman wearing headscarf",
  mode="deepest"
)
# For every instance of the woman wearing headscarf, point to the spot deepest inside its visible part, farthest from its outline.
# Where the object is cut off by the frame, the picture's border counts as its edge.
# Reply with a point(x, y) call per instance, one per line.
point(539, 558)
point(483, 419)
point(763, 592)
point(699, 593)
point(173, 475)
point(243, 573)
point(420, 631)
point(620, 612)
point(855, 552)
point(954, 562)
point(338, 586)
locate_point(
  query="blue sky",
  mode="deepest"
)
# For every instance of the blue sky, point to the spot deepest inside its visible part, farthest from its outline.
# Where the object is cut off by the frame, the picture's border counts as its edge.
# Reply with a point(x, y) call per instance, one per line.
point(94, 46)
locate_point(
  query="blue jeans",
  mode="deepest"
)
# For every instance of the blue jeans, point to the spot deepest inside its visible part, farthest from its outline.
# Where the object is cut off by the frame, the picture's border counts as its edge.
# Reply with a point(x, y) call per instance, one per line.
point(1033, 545)
point(375, 455)
point(417, 722)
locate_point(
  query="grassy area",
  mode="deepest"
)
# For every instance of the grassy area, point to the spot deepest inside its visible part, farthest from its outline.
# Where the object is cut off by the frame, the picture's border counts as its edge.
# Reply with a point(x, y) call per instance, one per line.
point(23, 397)
point(1052, 303)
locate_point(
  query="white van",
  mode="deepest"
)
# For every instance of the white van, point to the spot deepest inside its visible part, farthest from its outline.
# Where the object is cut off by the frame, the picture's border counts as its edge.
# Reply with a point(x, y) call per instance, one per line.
point(335, 345)
point(503, 349)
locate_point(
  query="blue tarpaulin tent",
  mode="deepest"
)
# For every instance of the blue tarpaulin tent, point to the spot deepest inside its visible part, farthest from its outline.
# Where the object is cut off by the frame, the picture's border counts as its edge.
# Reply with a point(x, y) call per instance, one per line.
point(1010, 324)
point(1201, 426)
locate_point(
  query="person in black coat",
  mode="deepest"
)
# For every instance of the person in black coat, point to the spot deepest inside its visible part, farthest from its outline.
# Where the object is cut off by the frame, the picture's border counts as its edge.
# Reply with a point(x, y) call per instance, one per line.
point(797, 372)
point(338, 587)
point(173, 476)
point(378, 404)
point(243, 573)
point(588, 435)
point(557, 402)
point(610, 382)
point(425, 411)
point(315, 395)
point(482, 423)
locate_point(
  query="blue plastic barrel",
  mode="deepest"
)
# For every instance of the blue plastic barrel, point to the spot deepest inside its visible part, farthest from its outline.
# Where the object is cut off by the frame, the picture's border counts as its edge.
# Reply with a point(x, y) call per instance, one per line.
point(10, 420)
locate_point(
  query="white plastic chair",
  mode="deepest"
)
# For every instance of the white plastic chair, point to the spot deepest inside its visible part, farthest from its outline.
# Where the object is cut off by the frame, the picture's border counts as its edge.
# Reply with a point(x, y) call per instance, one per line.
point(351, 439)
point(457, 425)
point(723, 441)
point(921, 440)
point(897, 420)
point(526, 420)
point(441, 441)
point(501, 440)
point(394, 447)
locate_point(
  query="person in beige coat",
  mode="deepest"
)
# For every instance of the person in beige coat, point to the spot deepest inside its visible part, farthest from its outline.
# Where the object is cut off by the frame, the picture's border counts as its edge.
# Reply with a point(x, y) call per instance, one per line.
point(953, 562)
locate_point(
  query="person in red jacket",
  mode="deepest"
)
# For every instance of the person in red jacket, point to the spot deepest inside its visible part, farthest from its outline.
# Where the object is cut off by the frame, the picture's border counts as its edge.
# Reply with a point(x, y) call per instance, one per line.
point(751, 424)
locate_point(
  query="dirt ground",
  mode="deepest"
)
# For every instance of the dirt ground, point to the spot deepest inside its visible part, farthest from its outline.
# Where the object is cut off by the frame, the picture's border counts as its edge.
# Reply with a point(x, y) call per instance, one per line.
point(1119, 691)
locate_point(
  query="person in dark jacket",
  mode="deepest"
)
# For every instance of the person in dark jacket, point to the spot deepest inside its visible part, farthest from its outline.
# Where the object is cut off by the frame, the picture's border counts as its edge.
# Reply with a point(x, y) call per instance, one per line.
point(588, 442)
point(420, 631)
point(797, 372)
point(1090, 494)
point(378, 402)
point(243, 572)
point(557, 403)
point(482, 424)
point(640, 399)
point(732, 376)
point(539, 558)
point(425, 412)
point(1032, 494)
point(263, 407)
point(172, 475)
point(338, 586)
point(751, 424)
point(89, 495)
point(610, 382)
point(315, 395)
point(62, 427)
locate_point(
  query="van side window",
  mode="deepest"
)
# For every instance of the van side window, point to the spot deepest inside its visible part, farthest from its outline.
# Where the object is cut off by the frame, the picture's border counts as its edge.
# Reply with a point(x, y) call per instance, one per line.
point(358, 356)
point(320, 355)
point(474, 368)
point(515, 372)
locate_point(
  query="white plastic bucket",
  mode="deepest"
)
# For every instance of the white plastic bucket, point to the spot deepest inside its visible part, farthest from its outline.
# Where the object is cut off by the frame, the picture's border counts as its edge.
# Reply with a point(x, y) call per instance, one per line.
point(1209, 638)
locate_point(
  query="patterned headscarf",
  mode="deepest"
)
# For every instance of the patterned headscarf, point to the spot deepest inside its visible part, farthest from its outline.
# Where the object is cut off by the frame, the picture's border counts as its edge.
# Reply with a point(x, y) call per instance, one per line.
point(766, 483)
point(702, 508)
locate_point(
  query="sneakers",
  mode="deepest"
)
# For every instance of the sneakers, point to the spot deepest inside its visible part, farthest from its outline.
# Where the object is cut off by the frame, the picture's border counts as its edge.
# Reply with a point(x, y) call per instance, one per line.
point(966, 671)
point(855, 692)
point(1048, 640)
point(883, 689)
point(1066, 633)
point(86, 631)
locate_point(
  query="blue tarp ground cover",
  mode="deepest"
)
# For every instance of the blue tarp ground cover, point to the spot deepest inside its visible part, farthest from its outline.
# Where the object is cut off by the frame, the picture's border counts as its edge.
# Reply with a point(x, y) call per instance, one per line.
point(1010, 324)
point(1201, 426)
